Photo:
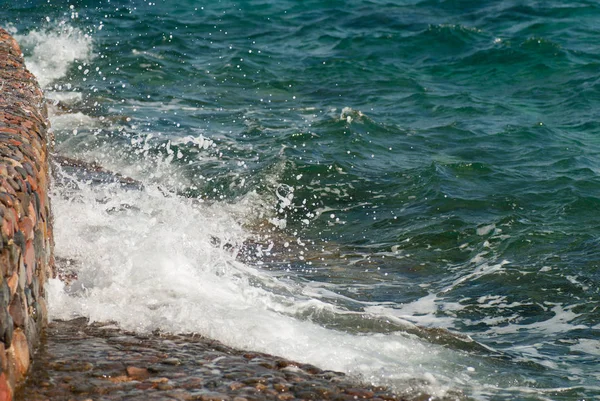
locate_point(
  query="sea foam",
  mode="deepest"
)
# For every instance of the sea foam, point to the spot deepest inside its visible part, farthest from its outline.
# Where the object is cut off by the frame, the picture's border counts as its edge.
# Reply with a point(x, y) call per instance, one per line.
point(52, 51)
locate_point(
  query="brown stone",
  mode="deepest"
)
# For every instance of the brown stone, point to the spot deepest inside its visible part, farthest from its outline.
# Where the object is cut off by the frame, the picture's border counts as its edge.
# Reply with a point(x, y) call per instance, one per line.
point(26, 225)
point(5, 390)
point(145, 385)
point(20, 348)
point(281, 387)
point(159, 380)
point(119, 379)
point(236, 385)
point(136, 373)
point(7, 228)
point(12, 281)
point(31, 208)
point(193, 383)
point(42, 312)
point(18, 311)
point(3, 359)
point(29, 260)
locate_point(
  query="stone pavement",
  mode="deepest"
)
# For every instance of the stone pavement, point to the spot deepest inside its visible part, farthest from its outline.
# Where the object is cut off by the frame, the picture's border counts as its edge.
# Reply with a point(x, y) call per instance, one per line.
point(78, 361)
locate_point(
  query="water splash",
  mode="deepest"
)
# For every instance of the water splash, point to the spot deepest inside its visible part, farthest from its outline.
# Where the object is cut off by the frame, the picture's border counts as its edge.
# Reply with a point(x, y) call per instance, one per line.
point(52, 51)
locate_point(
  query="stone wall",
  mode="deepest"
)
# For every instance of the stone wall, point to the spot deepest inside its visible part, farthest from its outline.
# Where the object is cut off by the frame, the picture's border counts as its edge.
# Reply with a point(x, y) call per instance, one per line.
point(26, 242)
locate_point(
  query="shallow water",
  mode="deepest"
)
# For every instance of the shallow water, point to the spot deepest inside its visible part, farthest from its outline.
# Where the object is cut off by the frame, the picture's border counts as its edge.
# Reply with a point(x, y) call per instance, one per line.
point(400, 190)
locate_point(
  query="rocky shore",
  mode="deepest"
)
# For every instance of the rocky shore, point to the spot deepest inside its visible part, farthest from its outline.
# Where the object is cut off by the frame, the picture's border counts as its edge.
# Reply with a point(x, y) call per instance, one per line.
point(79, 361)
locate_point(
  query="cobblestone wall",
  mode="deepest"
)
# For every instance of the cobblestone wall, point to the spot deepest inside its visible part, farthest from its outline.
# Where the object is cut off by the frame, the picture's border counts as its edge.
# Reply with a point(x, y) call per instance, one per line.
point(26, 242)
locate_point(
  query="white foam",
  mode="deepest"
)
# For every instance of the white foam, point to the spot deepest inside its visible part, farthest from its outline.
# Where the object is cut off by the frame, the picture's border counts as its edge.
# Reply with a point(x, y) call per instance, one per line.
point(423, 311)
point(560, 322)
point(348, 114)
point(200, 141)
point(588, 346)
point(485, 230)
point(50, 52)
point(64, 97)
point(71, 122)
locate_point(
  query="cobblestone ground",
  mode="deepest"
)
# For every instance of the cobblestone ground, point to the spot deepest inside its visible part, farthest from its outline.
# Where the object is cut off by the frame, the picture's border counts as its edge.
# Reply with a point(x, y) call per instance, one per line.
point(78, 361)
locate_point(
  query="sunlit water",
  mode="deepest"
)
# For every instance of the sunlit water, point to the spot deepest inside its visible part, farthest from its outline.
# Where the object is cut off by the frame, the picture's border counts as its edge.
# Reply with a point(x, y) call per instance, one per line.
point(405, 191)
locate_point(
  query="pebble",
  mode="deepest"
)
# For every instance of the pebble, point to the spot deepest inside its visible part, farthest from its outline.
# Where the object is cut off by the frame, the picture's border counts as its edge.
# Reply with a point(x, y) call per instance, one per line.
point(139, 374)
point(172, 361)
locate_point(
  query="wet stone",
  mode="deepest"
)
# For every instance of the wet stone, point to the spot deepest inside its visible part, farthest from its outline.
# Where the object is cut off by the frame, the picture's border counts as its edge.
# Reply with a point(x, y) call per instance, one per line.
point(80, 388)
point(123, 366)
point(19, 239)
point(138, 373)
point(308, 395)
point(28, 296)
point(172, 361)
point(387, 396)
point(17, 311)
point(7, 328)
point(281, 387)
point(35, 287)
point(4, 294)
point(28, 168)
point(236, 385)
point(164, 386)
point(21, 171)
point(360, 393)
point(215, 397)
point(21, 352)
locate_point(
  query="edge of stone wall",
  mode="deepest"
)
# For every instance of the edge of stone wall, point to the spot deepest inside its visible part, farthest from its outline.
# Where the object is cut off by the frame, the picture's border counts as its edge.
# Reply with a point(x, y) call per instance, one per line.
point(26, 241)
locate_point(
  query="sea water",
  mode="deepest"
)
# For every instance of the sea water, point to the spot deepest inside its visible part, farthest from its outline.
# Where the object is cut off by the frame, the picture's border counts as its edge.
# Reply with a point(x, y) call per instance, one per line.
point(407, 191)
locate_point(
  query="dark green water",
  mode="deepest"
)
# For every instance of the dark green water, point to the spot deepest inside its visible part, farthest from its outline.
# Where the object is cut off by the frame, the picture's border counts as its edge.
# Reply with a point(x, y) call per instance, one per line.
point(439, 159)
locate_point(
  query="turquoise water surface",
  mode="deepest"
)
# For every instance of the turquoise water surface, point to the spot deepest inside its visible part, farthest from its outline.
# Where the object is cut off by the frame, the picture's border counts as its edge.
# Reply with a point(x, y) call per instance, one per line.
point(386, 176)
